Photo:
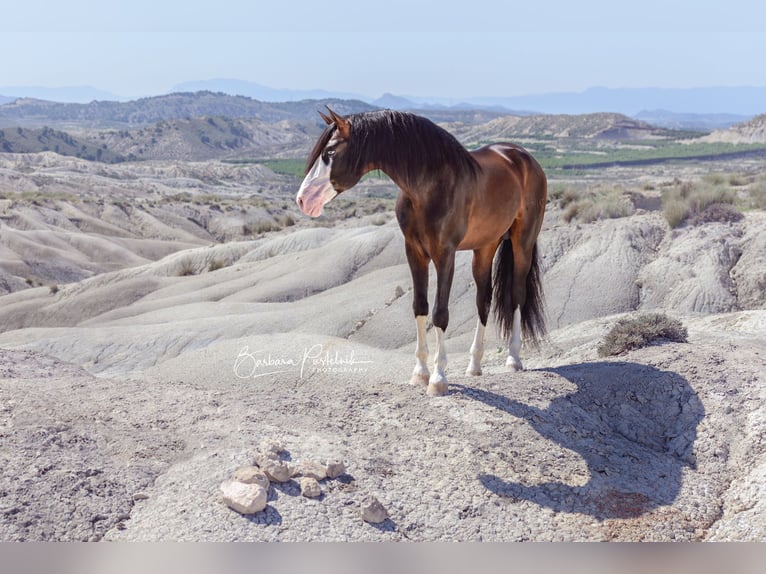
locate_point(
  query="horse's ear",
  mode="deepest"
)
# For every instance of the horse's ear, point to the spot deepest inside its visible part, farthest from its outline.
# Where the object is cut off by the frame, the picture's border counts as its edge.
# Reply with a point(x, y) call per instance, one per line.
point(327, 119)
point(344, 127)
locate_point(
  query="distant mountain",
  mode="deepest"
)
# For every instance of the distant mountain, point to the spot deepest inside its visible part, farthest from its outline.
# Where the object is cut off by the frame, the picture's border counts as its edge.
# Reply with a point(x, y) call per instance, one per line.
point(21, 140)
point(145, 111)
point(694, 122)
point(393, 102)
point(259, 92)
point(66, 94)
point(709, 101)
point(195, 139)
point(742, 101)
point(746, 101)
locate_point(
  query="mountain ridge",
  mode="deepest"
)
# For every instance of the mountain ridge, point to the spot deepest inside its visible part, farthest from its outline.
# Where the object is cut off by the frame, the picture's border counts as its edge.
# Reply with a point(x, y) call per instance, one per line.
point(737, 100)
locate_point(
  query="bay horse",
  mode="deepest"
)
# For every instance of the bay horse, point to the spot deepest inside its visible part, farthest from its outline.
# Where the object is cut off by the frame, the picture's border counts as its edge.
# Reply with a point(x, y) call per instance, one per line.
point(490, 200)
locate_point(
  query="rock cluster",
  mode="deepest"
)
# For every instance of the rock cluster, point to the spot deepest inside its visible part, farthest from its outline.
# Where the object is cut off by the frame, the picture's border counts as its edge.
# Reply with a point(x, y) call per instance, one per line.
point(247, 489)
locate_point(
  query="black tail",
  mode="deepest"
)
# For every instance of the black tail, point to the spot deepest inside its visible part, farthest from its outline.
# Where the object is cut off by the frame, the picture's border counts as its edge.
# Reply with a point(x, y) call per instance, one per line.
point(532, 316)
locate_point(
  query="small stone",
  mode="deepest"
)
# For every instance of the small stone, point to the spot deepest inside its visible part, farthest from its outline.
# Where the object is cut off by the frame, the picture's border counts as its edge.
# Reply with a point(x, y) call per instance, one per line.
point(244, 498)
point(335, 468)
point(373, 511)
point(251, 475)
point(310, 487)
point(275, 469)
point(140, 496)
point(270, 445)
point(398, 292)
point(310, 469)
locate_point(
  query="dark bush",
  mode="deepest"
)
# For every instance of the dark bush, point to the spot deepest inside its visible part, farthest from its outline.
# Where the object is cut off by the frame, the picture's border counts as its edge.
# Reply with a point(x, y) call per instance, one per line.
point(717, 212)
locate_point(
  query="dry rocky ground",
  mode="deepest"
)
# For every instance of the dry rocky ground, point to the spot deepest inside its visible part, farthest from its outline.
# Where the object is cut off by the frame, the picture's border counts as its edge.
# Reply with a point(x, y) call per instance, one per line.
point(149, 376)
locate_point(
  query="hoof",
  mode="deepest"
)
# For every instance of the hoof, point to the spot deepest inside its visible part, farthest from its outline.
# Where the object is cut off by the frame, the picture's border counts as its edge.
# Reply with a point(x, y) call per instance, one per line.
point(436, 388)
point(419, 379)
point(513, 364)
point(474, 368)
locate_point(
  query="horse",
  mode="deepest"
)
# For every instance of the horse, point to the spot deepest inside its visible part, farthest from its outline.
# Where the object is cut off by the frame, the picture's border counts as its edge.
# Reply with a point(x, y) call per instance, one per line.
point(490, 200)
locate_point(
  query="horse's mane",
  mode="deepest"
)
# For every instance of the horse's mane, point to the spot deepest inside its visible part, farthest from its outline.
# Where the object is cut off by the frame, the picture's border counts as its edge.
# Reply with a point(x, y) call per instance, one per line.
point(403, 145)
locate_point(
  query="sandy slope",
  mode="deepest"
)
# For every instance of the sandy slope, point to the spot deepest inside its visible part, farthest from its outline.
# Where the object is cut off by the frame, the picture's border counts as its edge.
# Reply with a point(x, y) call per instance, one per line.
point(127, 397)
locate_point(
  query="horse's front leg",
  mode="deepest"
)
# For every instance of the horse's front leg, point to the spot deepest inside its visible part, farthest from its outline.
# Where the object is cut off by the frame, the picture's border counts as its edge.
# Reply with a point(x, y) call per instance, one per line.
point(418, 263)
point(445, 268)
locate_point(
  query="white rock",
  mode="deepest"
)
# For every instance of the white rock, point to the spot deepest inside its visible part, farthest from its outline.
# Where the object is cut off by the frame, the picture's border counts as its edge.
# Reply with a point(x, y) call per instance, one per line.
point(244, 498)
point(271, 445)
point(335, 468)
point(251, 475)
point(310, 469)
point(276, 470)
point(373, 511)
point(310, 487)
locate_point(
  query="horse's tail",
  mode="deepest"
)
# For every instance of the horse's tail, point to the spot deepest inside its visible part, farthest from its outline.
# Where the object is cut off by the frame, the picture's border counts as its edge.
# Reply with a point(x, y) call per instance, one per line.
point(532, 315)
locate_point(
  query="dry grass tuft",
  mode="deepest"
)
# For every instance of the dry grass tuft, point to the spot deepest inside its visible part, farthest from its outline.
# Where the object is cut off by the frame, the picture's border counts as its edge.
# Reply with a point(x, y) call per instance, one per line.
point(642, 331)
point(685, 203)
point(185, 268)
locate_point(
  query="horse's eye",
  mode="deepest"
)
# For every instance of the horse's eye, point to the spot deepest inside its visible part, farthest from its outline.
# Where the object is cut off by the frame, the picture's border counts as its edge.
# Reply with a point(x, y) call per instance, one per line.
point(330, 152)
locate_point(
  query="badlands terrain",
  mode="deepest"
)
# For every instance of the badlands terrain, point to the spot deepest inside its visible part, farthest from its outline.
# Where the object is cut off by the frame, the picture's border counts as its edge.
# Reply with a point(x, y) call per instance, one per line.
point(159, 320)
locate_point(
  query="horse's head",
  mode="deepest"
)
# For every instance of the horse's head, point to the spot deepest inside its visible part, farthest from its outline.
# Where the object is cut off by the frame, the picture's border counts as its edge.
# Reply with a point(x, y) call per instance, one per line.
point(329, 170)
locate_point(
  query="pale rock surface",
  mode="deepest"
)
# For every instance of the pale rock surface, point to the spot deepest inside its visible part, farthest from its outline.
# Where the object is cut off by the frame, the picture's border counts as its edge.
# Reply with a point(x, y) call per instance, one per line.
point(373, 511)
point(310, 469)
point(310, 487)
point(275, 469)
point(251, 475)
point(335, 468)
point(270, 446)
point(244, 498)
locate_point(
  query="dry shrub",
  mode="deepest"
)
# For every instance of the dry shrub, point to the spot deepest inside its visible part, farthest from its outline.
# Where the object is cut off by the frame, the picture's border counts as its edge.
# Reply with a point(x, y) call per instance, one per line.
point(757, 193)
point(185, 268)
point(260, 226)
point(675, 211)
point(595, 206)
point(215, 265)
point(686, 202)
point(717, 212)
point(379, 219)
point(642, 331)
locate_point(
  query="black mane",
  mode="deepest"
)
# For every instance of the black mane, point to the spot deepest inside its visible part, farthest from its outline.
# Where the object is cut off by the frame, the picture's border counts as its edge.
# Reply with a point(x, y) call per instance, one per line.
point(405, 146)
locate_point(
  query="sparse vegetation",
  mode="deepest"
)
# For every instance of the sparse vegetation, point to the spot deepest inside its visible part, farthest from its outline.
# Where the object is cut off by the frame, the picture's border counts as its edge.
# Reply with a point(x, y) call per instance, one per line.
point(686, 203)
point(260, 226)
point(185, 268)
point(588, 205)
point(641, 331)
point(215, 265)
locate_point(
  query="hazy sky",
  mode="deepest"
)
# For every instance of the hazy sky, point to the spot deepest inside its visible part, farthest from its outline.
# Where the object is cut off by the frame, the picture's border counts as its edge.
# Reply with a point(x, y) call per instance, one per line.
point(450, 48)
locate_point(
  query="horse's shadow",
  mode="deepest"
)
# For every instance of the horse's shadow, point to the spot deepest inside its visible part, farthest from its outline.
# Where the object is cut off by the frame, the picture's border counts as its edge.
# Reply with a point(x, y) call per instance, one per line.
point(633, 425)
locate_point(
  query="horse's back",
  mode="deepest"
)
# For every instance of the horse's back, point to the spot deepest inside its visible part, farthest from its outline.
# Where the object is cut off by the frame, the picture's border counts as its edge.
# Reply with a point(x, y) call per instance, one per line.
point(509, 157)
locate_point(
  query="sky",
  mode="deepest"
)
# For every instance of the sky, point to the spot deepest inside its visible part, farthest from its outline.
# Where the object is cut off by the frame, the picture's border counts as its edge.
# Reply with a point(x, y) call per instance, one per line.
point(449, 49)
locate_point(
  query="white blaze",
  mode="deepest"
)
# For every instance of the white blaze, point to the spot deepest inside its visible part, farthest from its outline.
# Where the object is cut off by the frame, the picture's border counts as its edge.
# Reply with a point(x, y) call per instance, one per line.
point(316, 189)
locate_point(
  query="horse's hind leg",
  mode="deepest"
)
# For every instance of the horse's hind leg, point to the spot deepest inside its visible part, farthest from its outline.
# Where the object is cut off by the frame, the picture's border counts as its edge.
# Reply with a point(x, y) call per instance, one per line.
point(482, 275)
point(523, 239)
